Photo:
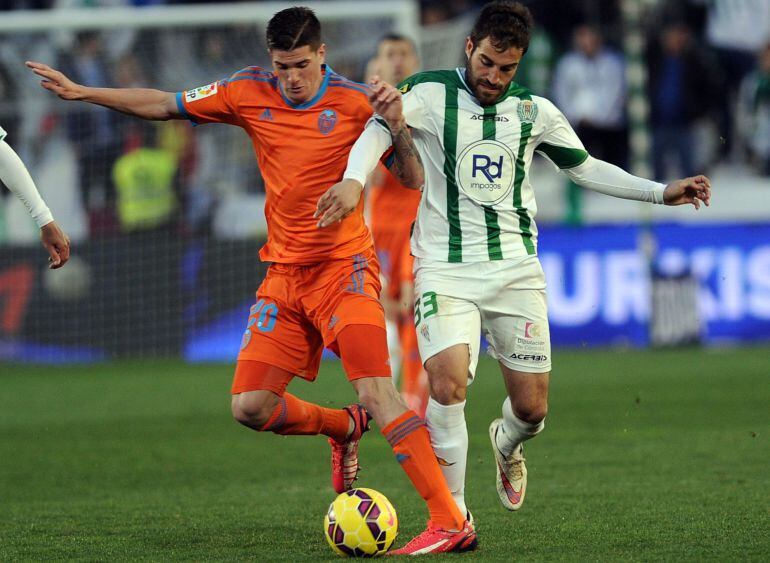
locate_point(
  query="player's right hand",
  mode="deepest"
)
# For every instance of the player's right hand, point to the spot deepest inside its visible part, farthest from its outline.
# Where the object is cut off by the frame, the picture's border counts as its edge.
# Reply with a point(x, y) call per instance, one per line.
point(57, 243)
point(56, 81)
point(692, 190)
point(386, 102)
point(338, 202)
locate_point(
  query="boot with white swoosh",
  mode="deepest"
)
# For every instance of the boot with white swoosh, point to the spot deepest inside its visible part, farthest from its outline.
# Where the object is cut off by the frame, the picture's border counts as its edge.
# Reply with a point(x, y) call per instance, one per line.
point(511, 472)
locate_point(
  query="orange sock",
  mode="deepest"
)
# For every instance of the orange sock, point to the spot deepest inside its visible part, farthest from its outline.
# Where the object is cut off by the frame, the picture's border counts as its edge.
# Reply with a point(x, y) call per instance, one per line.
point(414, 380)
point(410, 442)
point(294, 416)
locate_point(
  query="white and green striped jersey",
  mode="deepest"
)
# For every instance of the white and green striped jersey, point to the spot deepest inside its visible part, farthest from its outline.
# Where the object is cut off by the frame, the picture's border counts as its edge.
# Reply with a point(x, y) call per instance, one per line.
point(477, 202)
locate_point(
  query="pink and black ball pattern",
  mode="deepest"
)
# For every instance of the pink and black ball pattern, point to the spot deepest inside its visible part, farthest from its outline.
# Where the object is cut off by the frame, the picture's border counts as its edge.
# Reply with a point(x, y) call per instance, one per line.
point(367, 512)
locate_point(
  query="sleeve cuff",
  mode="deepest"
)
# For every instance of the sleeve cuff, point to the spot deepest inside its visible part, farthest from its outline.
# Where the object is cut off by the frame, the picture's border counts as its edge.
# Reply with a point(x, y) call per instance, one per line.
point(355, 176)
point(43, 218)
point(182, 109)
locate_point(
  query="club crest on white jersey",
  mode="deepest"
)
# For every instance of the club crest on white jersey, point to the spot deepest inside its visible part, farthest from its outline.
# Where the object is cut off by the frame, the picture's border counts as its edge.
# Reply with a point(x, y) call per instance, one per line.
point(527, 111)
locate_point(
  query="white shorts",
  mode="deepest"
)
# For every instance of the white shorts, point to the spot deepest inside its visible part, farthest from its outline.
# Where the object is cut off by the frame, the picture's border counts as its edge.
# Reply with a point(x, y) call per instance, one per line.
point(504, 298)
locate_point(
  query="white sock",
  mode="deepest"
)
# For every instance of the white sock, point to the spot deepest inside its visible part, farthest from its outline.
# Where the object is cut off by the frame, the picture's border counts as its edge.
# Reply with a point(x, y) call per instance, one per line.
point(514, 431)
point(394, 349)
point(449, 438)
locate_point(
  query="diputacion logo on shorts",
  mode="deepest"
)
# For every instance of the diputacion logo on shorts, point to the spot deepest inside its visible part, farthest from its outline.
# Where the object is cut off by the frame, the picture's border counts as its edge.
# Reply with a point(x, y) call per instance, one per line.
point(529, 343)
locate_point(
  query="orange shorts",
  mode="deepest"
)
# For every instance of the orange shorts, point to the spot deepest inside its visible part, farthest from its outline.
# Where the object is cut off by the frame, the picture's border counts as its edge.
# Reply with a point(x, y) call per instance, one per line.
point(302, 308)
point(395, 256)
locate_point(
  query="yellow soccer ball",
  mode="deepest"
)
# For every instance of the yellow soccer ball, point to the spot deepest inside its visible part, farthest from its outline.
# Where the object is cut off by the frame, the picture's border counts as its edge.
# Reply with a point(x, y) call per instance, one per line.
point(361, 523)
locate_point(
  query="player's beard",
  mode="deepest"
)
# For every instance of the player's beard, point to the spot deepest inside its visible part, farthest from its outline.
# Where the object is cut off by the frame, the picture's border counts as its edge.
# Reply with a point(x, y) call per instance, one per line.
point(487, 96)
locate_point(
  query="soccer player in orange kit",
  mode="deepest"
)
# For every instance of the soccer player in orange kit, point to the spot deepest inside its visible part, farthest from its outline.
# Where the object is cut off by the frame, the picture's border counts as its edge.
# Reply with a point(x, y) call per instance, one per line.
point(392, 210)
point(322, 287)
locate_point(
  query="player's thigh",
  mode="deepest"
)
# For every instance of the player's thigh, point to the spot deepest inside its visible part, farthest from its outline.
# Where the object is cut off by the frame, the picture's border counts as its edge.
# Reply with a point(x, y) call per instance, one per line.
point(277, 335)
point(443, 323)
point(518, 331)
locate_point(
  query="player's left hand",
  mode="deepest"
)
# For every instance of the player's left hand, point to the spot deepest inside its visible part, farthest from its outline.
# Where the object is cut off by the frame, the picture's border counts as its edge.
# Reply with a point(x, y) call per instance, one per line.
point(57, 243)
point(338, 202)
point(692, 190)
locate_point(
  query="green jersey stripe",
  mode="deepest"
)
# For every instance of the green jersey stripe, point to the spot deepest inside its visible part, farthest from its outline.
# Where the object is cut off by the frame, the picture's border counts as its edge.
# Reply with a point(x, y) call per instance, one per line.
point(563, 157)
point(493, 234)
point(450, 161)
point(489, 128)
point(490, 215)
point(524, 219)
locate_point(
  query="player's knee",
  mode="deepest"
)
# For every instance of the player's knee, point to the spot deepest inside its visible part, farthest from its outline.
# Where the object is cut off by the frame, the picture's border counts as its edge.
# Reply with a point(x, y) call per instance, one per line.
point(447, 391)
point(254, 408)
point(448, 375)
point(533, 412)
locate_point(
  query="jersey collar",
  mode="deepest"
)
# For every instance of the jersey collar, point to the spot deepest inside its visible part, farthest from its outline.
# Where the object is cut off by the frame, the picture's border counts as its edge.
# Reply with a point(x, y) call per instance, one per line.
point(312, 101)
point(460, 70)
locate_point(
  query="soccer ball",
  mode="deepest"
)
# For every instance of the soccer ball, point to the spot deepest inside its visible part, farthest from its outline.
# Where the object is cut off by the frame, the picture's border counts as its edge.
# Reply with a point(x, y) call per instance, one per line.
point(361, 523)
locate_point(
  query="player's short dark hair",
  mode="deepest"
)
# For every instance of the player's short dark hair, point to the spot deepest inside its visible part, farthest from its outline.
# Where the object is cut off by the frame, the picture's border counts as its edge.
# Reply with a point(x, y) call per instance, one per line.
point(507, 24)
point(293, 28)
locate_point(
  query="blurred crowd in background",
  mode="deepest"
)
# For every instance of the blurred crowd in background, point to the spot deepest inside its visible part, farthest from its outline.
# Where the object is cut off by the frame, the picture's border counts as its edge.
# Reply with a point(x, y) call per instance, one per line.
point(708, 64)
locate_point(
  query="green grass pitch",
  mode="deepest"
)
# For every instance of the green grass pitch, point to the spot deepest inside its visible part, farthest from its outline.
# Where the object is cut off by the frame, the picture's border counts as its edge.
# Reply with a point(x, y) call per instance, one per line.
point(647, 456)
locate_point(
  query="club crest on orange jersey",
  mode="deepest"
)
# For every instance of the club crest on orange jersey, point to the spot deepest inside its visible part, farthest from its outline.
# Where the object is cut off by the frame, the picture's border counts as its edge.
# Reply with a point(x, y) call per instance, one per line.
point(326, 121)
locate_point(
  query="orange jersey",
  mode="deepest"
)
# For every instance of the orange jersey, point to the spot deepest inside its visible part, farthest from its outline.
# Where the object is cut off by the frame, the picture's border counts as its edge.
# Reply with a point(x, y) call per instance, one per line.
point(302, 150)
point(392, 207)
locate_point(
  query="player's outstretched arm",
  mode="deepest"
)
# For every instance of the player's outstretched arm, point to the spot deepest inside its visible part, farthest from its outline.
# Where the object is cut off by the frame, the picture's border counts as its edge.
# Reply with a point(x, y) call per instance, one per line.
point(407, 164)
point(609, 179)
point(14, 174)
point(146, 103)
point(692, 190)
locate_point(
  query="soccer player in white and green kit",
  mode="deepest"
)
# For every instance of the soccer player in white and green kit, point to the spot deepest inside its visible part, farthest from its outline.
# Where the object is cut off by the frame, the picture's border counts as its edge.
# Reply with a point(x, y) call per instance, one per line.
point(473, 135)
point(15, 176)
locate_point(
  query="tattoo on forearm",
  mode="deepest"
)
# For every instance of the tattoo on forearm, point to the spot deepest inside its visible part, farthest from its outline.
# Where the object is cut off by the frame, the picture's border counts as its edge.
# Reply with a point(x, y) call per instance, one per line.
point(407, 164)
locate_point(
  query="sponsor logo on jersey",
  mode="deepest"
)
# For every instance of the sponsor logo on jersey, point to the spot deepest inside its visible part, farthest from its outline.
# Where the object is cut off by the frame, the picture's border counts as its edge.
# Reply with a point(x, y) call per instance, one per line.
point(266, 115)
point(527, 111)
point(326, 121)
point(404, 88)
point(200, 92)
point(485, 171)
point(482, 117)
